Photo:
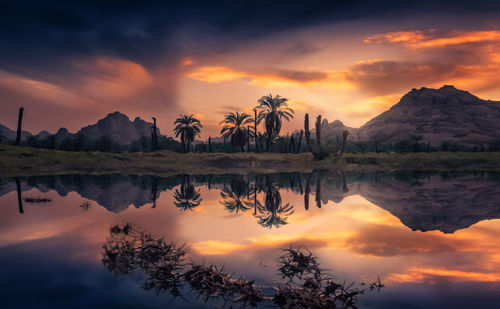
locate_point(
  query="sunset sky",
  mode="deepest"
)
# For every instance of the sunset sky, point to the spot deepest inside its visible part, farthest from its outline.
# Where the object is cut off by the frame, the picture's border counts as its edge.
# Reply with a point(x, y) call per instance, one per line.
point(69, 64)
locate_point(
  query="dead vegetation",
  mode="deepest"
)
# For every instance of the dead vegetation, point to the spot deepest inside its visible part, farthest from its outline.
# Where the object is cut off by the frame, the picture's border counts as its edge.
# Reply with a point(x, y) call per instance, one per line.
point(37, 200)
point(303, 283)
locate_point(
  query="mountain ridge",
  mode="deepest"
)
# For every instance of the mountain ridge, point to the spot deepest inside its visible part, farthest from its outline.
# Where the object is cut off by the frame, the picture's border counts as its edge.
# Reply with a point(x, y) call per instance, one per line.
point(439, 115)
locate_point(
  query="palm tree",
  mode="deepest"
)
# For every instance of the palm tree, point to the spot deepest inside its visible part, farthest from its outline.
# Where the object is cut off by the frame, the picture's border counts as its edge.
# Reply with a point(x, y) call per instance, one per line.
point(187, 197)
point(273, 110)
point(188, 128)
point(235, 129)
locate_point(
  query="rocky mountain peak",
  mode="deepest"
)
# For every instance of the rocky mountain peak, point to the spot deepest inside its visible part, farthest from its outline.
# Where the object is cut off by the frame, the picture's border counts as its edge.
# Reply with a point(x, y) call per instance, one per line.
point(439, 115)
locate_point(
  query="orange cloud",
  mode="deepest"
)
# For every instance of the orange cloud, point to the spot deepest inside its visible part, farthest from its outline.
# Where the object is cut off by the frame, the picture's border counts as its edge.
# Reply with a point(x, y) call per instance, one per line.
point(273, 78)
point(109, 78)
point(216, 74)
point(433, 38)
point(42, 90)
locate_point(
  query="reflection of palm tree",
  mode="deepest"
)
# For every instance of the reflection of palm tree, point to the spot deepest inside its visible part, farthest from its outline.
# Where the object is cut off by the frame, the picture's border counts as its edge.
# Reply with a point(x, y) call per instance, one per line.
point(273, 213)
point(187, 197)
point(235, 197)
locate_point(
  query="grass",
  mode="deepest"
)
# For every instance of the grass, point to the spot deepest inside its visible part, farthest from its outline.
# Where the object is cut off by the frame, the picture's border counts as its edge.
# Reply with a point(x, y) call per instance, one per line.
point(26, 161)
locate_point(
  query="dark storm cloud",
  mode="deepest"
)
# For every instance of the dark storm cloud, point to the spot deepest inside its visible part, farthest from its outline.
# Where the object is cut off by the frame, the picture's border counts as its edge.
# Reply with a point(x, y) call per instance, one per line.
point(56, 42)
point(42, 36)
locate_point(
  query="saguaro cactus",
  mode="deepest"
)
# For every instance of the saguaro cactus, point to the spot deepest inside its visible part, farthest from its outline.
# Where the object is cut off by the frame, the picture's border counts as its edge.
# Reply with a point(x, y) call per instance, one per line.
point(318, 151)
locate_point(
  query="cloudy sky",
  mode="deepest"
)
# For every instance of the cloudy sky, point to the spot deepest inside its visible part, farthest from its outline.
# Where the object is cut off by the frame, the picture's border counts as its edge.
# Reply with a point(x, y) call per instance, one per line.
point(70, 63)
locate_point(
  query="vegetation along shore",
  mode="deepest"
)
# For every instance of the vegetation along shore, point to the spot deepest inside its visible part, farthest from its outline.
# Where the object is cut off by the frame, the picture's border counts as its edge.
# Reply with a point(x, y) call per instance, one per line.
point(25, 161)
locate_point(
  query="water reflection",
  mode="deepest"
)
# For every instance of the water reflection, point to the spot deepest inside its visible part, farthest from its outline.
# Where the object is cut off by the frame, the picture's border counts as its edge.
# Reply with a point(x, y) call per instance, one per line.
point(347, 219)
point(422, 201)
point(303, 283)
point(187, 197)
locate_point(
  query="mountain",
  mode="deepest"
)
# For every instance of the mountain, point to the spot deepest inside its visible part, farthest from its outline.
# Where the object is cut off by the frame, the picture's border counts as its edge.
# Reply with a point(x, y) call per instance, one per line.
point(439, 115)
point(118, 128)
point(8, 134)
point(333, 129)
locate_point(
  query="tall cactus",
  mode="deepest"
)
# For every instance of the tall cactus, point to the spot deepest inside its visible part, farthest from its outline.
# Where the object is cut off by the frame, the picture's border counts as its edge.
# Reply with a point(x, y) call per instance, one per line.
point(307, 133)
point(318, 130)
point(318, 151)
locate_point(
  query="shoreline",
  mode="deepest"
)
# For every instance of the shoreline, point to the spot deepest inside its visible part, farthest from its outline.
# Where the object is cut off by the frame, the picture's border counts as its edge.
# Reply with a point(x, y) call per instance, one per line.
point(28, 161)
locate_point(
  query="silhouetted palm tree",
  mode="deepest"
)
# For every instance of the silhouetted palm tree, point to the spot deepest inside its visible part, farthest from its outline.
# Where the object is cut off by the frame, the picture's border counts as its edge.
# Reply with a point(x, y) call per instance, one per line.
point(273, 110)
point(187, 127)
point(187, 197)
point(235, 129)
point(273, 213)
point(236, 196)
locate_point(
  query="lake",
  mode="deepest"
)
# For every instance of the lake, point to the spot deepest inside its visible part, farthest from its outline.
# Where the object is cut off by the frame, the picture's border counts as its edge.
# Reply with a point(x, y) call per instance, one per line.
point(431, 237)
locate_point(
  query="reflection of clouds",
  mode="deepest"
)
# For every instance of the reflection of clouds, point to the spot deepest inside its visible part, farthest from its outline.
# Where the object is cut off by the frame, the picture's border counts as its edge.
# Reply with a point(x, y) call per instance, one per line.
point(384, 240)
point(257, 244)
point(434, 275)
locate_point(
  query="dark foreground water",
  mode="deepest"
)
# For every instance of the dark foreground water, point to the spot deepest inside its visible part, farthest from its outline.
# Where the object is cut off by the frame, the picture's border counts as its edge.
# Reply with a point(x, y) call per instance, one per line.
point(432, 238)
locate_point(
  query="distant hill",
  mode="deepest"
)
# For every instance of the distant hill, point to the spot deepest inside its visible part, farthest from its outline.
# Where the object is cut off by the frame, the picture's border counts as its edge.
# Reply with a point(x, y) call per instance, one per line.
point(439, 115)
point(118, 128)
point(8, 134)
point(333, 129)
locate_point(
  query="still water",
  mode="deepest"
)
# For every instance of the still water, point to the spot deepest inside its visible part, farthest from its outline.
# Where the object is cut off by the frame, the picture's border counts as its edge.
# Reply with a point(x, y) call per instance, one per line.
point(432, 238)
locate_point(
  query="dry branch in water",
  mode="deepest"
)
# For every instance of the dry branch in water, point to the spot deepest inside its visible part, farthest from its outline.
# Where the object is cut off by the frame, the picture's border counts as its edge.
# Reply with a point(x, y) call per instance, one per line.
point(37, 200)
point(304, 284)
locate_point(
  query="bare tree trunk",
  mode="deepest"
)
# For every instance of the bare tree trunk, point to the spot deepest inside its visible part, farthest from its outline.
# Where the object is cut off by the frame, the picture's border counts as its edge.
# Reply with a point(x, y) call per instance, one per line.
point(19, 126)
point(154, 135)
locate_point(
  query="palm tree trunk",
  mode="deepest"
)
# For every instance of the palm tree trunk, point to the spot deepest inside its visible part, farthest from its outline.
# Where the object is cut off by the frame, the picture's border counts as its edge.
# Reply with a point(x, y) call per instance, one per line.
point(269, 138)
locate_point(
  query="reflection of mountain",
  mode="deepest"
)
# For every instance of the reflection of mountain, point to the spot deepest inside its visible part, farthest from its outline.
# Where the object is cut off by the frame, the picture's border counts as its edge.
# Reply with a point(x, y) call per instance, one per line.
point(433, 201)
point(114, 192)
